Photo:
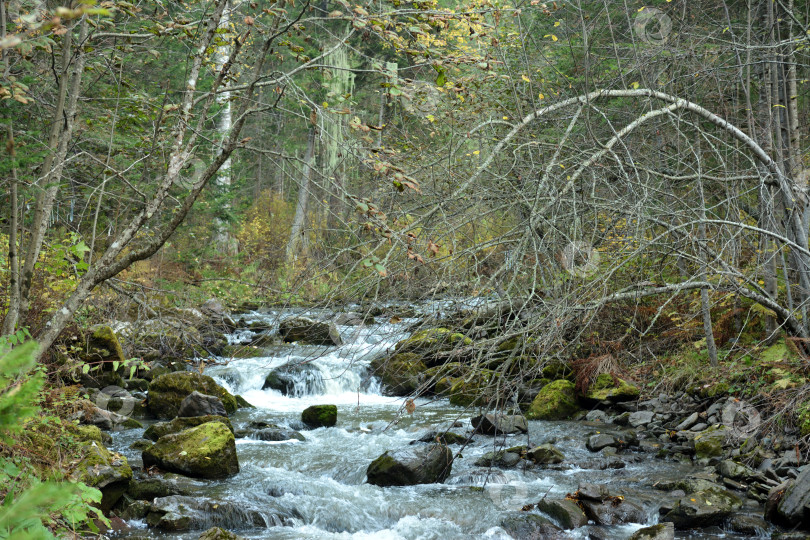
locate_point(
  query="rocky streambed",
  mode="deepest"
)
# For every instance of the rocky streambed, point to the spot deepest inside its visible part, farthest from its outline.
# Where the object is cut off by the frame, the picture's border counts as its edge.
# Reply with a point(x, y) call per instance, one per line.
point(304, 439)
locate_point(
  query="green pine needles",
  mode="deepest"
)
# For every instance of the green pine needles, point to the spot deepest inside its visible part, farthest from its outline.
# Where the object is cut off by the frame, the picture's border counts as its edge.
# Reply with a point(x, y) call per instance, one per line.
point(31, 508)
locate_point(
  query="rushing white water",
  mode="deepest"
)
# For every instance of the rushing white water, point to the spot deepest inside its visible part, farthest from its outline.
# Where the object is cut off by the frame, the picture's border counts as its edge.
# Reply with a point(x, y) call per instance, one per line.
point(321, 480)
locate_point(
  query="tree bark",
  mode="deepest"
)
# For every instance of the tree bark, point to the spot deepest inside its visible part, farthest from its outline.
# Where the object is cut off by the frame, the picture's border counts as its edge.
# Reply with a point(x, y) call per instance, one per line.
point(297, 242)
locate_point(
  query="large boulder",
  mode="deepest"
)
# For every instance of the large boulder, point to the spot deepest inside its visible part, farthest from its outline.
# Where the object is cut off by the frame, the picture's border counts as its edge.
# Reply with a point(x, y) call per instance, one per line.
point(159, 429)
point(703, 509)
point(107, 472)
point(556, 401)
point(477, 387)
point(306, 330)
point(102, 347)
point(205, 451)
point(401, 374)
point(497, 424)
point(608, 389)
point(317, 416)
point(295, 379)
point(197, 404)
point(545, 454)
point(794, 506)
point(167, 392)
point(412, 465)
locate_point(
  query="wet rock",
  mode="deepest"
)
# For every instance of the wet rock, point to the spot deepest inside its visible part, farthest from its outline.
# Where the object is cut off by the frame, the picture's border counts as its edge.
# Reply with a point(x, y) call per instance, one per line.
point(205, 451)
point(607, 388)
point(277, 434)
point(640, 418)
point(242, 403)
point(703, 509)
point(794, 506)
point(709, 442)
point(662, 531)
point(556, 401)
point(197, 404)
point(320, 416)
point(495, 424)
point(545, 454)
point(475, 388)
point(215, 533)
point(689, 484)
point(592, 492)
point(295, 379)
point(599, 441)
point(748, 525)
point(499, 458)
point(136, 510)
point(564, 512)
point(412, 465)
point(401, 374)
point(107, 472)
point(614, 511)
point(596, 416)
point(167, 392)
point(150, 488)
point(734, 470)
point(306, 330)
point(527, 526)
point(442, 437)
point(159, 429)
point(178, 513)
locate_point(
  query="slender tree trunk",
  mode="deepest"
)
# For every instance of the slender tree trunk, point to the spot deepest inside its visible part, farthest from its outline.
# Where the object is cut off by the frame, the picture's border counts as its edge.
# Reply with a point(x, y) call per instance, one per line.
point(297, 243)
point(60, 136)
point(10, 321)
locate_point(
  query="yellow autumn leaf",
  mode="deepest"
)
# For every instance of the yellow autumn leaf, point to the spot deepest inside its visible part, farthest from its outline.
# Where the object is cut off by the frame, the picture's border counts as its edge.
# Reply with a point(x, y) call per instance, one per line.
point(556, 24)
point(634, 84)
point(476, 152)
point(525, 78)
point(541, 96)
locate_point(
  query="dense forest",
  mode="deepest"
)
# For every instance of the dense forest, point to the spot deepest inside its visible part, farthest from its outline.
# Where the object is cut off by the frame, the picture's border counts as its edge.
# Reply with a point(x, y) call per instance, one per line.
point(541, 208)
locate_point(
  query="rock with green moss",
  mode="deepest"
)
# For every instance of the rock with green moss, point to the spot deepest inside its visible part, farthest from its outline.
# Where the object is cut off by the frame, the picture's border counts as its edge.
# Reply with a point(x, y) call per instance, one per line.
point(545, 454)
point(159, 429)
point(168, 391)
point(709, 442)
point(662, 531)
point(107, 472)
point(476, 388)
point(89, 433)
point(401, 374)
point(242, 403)
point(216, 533)
point(608, 389)
point(102, 346)
point(554, 368)
point(205, 451)
point(420, 464)
point(703, 509)
point(320, 416)
point(556, 401)
point(430, 341)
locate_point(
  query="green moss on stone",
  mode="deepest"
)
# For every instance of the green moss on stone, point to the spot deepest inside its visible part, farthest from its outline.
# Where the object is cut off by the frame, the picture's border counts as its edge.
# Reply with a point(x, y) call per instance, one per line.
point(709, 442)
point(555, 401)
point(605, 388)
point(159, 429)
point(168, 391)
point(205, 451)
point(472, 389)
point(320, 416)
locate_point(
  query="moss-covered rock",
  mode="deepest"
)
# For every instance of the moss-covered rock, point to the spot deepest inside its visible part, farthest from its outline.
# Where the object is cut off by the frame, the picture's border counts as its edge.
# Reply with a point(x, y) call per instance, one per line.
point(159, 429)
point(320, 416)
point(556, 401)
point(306, 330)
point(703, 508)
point(205, 451)
point(167, 392)
point(242, 403)
point(103, 346)
point(89, 433)
point(401, 374)
point(709, 442)
point(215, 533)
point(430, 341)
point(554, 368)
point(606, 388)
point(107, 472)
point(476, 388)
